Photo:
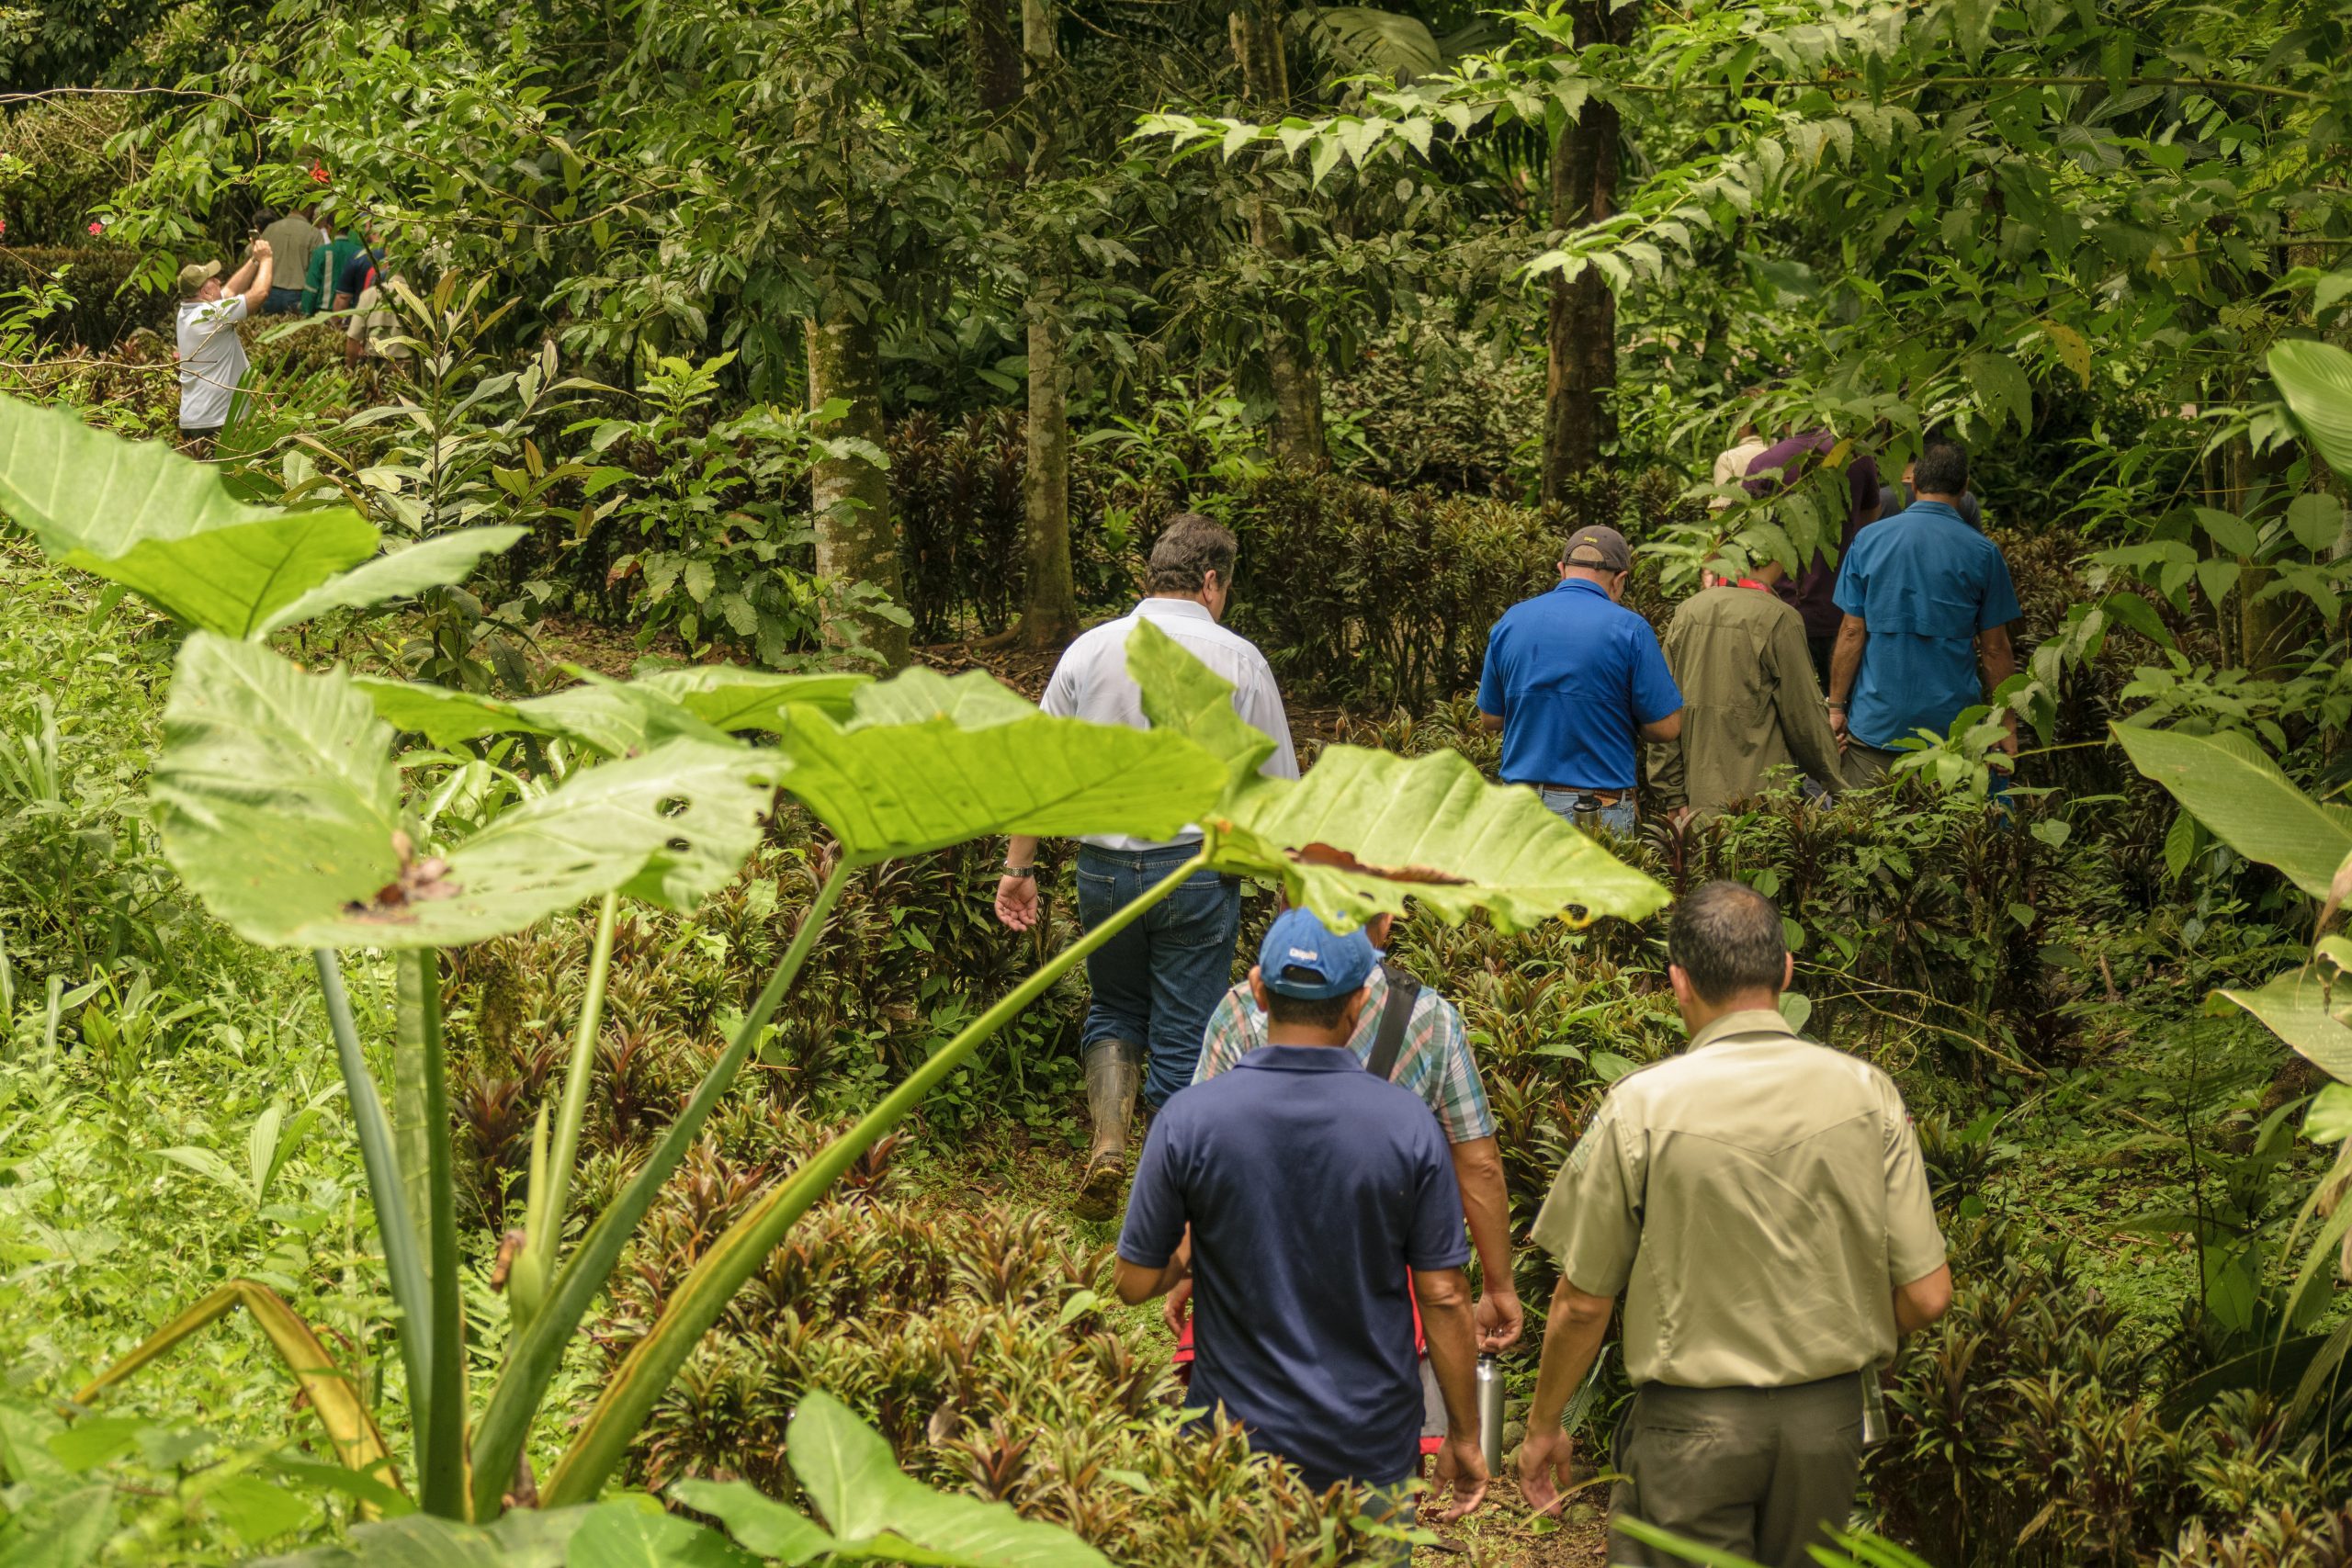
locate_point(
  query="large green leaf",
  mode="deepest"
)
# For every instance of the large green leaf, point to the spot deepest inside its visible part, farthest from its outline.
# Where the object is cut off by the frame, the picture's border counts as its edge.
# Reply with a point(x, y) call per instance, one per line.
point(926, 762)
point(617, 718)
point(2316, 380)
point(1361, 38)
point(139, 514)
point(526, 1538)
point(280, 810)
point(855, 1483)
point(397, 575)
point(733, 698)
point(1182, 695)
point(2229, 783)
point(634, 1532)
point(761, 1524)
point(1364, 830)
point(2299, 1008)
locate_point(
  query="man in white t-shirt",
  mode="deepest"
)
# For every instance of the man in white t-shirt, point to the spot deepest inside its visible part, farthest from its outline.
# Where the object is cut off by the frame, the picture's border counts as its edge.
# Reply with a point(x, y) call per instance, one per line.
point(212, 358)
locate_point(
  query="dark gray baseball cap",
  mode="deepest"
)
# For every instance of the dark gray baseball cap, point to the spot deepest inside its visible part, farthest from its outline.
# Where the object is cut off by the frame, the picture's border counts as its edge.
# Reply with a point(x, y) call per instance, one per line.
point(1605, 549)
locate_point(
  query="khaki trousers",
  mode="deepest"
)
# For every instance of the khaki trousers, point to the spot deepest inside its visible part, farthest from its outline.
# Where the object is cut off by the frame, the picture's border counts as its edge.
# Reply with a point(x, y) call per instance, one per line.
point(1754, 1471)
point(1866, 765)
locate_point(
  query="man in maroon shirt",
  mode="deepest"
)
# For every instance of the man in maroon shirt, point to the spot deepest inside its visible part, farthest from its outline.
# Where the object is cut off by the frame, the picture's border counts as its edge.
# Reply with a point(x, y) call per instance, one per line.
point(1789, 462)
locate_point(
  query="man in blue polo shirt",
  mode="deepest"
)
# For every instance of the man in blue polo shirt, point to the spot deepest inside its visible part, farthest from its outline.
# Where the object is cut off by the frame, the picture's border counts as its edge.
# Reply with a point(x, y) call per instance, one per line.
point(1927, 604)
point(1574, 680)
point(1312, 1190)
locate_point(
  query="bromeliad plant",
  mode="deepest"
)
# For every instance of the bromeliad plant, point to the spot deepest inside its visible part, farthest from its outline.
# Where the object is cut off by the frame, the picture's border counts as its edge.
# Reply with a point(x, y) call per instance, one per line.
point(279, 804)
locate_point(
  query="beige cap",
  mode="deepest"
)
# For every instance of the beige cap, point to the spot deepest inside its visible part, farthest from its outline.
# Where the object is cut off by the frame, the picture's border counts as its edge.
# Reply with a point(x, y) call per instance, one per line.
point(196, 274)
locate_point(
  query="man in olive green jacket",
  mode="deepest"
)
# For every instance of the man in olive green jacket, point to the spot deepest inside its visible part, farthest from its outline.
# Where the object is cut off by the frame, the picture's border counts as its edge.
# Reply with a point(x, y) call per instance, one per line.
point(1750, 701)
point(1761, 1203)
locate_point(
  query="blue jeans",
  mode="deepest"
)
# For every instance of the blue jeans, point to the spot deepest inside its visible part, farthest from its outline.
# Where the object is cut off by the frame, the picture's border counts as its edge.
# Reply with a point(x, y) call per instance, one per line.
point(1617, 819)
point(282, 301)
point(1156, 982)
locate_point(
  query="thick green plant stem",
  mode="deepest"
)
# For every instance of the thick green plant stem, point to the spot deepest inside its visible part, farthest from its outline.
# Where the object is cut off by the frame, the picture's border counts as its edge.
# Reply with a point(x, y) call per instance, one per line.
point(538, 1352)
point(441, 1417)
point(402, 1259)
point(629, 1397)
point(549, 1233)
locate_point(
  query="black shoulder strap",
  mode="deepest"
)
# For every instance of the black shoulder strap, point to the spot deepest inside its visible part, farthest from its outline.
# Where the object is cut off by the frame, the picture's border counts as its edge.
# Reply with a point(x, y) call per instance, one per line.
point(1395, 1013)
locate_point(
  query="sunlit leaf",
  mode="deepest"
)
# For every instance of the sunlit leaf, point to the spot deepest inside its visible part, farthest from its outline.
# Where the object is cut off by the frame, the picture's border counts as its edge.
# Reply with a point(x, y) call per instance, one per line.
point(926, 762)
point(733, 698)
point(758, 1523)
point(2243, 798)
point(399, 574)
point(165, 526)
point(281, 809)
point(634, 1532)
point(2299, 1008)
point(2316, 380)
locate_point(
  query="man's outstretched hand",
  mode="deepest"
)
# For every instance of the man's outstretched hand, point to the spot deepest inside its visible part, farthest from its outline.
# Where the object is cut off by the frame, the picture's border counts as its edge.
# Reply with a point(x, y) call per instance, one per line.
point(1017, 902)
point(1464, 1469)
point(1175, 1305)
point(1544, 1465)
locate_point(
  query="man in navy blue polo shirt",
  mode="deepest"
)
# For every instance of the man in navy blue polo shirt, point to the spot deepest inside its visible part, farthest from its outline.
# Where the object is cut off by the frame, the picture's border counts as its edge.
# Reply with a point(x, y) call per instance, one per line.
point(1927, 604)
point(1574, 680)
point(1312, 1190)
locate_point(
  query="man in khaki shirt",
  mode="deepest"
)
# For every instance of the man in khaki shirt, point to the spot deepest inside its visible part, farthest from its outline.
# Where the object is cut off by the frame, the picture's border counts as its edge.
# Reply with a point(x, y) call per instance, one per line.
point(1760, 1202)
point(1750, 701)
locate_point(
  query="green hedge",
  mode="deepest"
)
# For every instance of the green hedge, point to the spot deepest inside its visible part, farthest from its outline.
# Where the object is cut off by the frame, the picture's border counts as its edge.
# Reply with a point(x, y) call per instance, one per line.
point(103, 312)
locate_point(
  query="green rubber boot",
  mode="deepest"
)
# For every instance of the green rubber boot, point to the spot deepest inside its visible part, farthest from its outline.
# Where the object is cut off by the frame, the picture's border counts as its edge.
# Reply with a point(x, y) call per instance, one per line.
point(1113, 1077)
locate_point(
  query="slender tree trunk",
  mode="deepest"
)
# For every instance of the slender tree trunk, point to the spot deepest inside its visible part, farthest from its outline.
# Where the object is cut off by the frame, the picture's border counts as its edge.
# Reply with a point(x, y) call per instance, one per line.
point(857, 541)
point(1049, 613)
point(1256, 30)
point(996, 53)
point(1583, 327)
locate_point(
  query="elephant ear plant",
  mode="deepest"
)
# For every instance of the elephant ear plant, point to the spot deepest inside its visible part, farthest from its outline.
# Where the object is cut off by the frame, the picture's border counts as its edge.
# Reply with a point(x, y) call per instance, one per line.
point(280, 807)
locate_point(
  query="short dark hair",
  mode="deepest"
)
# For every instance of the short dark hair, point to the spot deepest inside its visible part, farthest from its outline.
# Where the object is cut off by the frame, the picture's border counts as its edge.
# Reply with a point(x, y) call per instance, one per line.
point(1727, 937)
point(1189, 548)
point(1302, 1012)
point(1942, 467)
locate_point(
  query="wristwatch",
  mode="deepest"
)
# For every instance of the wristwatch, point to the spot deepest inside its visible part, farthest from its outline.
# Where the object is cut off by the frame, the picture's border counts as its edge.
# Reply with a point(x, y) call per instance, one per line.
point(1020, 871)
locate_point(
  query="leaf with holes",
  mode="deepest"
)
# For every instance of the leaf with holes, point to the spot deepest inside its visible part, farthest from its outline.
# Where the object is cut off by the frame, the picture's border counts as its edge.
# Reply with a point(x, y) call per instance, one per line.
point(281, 811)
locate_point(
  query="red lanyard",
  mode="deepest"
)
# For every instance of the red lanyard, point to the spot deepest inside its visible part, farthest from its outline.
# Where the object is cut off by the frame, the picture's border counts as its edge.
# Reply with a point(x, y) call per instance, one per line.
point(1751, 583)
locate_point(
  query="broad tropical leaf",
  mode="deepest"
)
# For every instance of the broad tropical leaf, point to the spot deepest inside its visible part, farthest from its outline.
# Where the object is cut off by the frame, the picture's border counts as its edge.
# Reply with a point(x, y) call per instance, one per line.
point(617, 718)
point(2316, 380)
point(731, 698)
point(926, 762)
point(397, 575)
point(2299, 1008)
point(166, 527)
point(759, 1523)
point(855, 1481)
point(280, 810)
point(1182, 695)
point(2229, 783)
point(634, 1532)
point(1365, 829)
point(337, 1401)
point(527, 1538)
point(1362, 38)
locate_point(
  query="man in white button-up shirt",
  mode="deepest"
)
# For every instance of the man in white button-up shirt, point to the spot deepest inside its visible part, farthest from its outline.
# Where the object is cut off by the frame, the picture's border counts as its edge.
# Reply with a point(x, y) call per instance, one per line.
point(1155, 984)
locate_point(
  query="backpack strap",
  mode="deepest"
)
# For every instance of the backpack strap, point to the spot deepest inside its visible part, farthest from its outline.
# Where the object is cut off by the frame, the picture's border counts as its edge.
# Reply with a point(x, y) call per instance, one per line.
point(1395, 1013)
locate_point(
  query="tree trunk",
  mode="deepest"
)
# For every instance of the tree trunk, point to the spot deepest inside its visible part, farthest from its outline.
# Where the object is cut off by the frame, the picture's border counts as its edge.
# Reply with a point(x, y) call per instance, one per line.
point(1583, 326)
point(996, 53)
point(1289, 360)
point(1049, 612)
point(856, 541)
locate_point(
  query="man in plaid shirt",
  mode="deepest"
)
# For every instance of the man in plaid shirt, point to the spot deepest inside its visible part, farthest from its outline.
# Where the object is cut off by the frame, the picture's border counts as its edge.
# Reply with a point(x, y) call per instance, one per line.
point(1434, 1063)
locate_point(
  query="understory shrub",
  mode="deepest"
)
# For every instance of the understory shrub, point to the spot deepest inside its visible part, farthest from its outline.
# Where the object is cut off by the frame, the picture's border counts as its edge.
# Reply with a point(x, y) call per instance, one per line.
point(104, 311)
point(1437, 410)
point(979, 1343)
point(2028, 1429)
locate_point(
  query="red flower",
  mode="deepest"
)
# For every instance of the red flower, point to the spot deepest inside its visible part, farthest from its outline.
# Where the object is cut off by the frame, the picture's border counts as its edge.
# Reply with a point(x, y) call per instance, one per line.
point(319, 172)
point(97, 227)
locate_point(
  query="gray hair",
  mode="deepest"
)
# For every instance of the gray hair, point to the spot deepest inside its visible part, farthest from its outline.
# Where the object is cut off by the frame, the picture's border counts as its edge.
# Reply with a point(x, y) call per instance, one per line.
point(1727, 937)
point(1190, 548)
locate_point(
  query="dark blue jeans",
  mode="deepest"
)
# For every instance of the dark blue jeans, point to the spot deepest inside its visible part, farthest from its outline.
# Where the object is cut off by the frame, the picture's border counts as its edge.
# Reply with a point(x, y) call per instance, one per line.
point(1156, 983)
point(282, 300)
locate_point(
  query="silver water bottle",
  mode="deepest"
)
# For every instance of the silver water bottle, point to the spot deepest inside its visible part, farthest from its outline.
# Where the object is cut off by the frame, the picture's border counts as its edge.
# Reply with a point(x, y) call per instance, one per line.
point(1874, 1430)
point(1490, 1415)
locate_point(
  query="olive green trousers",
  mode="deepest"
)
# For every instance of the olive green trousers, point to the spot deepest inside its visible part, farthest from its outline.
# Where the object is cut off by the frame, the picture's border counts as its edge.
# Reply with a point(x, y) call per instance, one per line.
point(1755, 1471)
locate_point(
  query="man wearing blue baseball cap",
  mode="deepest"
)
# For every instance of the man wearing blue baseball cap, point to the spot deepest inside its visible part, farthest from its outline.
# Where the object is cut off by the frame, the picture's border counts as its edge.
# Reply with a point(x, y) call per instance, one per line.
point(1312, 1189)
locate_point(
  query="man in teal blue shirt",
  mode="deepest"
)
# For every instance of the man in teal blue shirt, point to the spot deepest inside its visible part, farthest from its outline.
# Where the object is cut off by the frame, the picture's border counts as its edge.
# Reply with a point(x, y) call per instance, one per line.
point(1572, 680)
point(1927, 603)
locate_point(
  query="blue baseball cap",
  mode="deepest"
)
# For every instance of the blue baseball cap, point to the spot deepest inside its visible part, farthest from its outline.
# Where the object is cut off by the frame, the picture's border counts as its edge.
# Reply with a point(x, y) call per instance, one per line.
point(1298, 940)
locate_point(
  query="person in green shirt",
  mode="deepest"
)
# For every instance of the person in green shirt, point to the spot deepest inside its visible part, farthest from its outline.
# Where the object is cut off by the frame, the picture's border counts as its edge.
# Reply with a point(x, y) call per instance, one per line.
point(1750, 702)
point(326, 266)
